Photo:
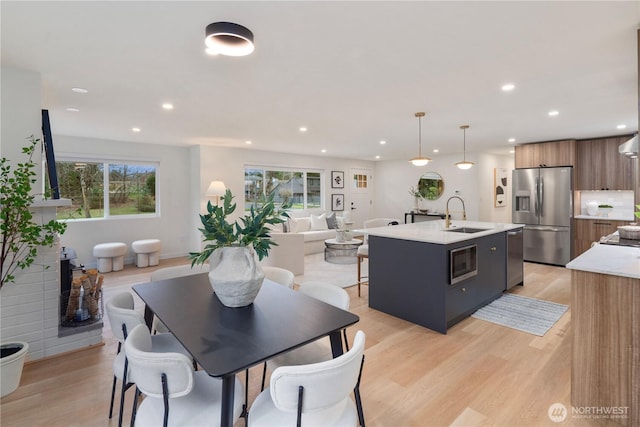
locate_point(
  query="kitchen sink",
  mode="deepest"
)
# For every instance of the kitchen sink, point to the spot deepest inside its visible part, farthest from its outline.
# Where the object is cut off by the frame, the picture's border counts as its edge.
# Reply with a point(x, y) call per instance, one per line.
point(466, 230)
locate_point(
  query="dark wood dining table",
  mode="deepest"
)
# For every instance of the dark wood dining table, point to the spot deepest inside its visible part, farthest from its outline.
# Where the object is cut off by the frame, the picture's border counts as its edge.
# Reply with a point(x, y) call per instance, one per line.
point(225, 341)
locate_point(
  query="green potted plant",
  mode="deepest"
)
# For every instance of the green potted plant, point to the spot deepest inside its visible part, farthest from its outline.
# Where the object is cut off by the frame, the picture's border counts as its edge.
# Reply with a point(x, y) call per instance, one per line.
point(22, 236)
point(235, 276)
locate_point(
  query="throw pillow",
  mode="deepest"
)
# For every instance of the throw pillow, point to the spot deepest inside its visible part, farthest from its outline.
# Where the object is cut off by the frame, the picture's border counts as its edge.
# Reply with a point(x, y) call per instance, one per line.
point(319, 222)
point(332, 224)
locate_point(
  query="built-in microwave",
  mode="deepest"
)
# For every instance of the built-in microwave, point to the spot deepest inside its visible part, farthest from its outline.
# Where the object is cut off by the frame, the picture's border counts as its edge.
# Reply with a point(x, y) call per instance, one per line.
point(463, 263)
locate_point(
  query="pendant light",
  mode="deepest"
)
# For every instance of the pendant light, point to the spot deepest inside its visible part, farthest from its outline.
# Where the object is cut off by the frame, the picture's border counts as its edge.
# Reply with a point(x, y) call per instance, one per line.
point(464, 164)
point(420, 161)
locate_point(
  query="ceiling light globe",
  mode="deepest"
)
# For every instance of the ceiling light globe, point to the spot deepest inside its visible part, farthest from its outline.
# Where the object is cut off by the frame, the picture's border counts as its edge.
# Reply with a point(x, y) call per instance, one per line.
point(464, 165)
point(420, 161)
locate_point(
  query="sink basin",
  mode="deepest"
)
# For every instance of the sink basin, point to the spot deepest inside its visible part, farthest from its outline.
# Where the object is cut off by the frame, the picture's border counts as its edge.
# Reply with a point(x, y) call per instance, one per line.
point(467, 230)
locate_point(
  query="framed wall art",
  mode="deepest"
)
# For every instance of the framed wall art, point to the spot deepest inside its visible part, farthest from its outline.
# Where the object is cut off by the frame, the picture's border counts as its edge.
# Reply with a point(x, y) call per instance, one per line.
point(337, 202)
point(337, 179)
point(500, 187)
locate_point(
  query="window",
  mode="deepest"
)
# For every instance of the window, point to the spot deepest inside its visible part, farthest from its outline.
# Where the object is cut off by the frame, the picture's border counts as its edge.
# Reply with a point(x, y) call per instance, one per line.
point(107, 189)
point(302, 187)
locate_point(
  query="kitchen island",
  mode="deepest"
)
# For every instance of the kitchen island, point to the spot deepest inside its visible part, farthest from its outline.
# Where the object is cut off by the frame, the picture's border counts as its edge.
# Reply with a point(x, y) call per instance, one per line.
point(433, 276)
point(605, 319)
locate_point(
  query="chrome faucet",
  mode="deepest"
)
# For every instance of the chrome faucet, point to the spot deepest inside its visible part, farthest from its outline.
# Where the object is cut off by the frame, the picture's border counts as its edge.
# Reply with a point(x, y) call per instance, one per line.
point(447, 222)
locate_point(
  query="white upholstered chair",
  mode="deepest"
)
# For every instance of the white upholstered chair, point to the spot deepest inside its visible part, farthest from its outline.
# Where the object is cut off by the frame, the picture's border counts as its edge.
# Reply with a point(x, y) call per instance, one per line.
point(123, 319)
point(279, 275)
point(313, 395)
point(175, 394)
point(363, 250)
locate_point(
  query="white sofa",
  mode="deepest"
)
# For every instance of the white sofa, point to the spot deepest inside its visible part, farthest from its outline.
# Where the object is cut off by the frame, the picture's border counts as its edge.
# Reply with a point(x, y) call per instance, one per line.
point(303, 237)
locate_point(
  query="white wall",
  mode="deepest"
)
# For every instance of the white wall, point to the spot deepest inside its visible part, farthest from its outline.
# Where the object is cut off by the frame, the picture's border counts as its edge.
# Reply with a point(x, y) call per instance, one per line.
point(227, 164)
point(394, 178)
point(172, 226)
point(475, 186)
point(20, 114)
point(486, 165)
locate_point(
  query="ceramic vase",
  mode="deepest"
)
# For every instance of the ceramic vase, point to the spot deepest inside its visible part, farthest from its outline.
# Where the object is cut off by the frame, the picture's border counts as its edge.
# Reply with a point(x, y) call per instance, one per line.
point(11, 364)
point(235, 276)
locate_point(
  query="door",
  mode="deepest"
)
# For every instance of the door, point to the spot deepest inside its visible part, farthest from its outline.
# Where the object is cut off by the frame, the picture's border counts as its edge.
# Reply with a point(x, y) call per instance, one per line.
point(525, 200)
point(361, 190)
point(556, 205)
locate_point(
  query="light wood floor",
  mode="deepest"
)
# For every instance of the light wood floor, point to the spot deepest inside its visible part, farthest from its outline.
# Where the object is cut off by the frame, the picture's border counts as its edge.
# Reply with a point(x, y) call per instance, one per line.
point(479, 374)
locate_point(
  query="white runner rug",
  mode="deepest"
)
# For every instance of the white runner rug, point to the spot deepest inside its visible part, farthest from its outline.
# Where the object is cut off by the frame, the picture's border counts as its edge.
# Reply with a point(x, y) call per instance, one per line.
point(525, 314)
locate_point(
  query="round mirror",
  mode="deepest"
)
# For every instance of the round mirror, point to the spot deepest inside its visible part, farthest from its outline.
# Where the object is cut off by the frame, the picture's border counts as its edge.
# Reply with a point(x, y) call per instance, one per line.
point(431, 185)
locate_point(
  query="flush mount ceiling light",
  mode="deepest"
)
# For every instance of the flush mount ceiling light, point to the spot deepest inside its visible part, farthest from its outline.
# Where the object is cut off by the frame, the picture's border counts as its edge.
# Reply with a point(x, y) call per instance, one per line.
point(464, 164)
point(227, 38)
point(420, 161)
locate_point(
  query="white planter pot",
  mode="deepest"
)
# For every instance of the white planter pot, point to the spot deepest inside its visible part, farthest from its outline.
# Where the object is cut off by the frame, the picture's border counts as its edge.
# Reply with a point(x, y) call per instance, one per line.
point(11, 366)
point(235, 276)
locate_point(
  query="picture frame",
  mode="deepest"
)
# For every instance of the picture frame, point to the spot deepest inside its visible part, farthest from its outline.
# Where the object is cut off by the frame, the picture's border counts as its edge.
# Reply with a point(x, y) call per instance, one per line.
point(337, 202)
point(500, 183)
point(337, 179)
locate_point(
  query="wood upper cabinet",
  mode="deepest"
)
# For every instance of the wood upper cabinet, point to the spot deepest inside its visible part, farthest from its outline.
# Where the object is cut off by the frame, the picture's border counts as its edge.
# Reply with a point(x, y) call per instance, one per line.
point(602, 167)
point(556, 153)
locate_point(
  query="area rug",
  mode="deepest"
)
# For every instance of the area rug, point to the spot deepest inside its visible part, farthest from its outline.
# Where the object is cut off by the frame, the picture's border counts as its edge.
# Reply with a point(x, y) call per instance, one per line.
point(525, 314)
point(317, 269)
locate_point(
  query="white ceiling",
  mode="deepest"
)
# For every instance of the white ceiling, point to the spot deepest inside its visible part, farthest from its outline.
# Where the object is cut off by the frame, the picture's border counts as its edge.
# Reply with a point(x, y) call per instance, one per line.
point(353, 72)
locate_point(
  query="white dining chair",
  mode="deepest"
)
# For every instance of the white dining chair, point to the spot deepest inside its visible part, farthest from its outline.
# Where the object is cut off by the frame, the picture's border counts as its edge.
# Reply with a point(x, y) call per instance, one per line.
point(123, 319)
point(171, 273)
point(313, 395)
point(175, 394)
point(279, 275)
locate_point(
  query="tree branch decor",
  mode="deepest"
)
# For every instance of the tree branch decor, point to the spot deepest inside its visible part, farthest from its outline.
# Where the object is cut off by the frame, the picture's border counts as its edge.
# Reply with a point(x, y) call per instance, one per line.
point(21, 235)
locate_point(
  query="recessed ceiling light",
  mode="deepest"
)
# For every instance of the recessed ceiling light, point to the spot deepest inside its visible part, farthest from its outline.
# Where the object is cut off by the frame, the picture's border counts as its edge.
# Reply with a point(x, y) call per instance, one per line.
point(248, 142)
point(508, 87)
point(303, 129)
point(621, 126)
point(383, 142)
point(512, 151)
point(511, 140)
point(435, 150)
point(323, 151)
point(135, 129)
point(553, 113)
point(377, 157)
point(79, 90)
point(73, 110)
point(167, 106)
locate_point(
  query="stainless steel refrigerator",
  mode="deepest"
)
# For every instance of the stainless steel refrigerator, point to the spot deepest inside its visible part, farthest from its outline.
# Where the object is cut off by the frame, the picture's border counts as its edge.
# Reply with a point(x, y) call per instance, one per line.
point(543, 202)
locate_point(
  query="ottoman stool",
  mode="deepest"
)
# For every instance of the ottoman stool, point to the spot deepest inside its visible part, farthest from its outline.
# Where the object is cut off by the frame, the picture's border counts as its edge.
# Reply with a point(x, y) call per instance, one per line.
point(147, 252)
point(110, 256)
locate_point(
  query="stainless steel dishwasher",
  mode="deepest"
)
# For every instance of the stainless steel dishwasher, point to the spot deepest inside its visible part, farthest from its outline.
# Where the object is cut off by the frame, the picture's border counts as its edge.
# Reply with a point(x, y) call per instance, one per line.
point(515, 252)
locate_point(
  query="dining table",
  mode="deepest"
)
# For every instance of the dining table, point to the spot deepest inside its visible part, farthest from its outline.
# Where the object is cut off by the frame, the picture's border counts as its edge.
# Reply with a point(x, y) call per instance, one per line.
point(225, 341)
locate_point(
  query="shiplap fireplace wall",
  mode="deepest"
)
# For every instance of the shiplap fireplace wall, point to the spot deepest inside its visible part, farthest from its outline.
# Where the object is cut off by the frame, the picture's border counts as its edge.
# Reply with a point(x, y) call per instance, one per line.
point(31, 305)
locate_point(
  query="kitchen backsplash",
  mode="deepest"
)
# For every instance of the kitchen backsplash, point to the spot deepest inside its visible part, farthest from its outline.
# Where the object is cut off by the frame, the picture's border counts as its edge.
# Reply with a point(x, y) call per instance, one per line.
point(622, 202)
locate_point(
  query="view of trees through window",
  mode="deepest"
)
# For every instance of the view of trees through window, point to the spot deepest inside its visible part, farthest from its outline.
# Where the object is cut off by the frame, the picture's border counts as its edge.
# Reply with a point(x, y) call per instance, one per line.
point(130, 189)
point(303, 188)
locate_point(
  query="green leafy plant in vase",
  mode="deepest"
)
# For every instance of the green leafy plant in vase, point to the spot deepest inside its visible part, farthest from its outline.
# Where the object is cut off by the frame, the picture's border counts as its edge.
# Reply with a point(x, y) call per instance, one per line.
point(232, 247)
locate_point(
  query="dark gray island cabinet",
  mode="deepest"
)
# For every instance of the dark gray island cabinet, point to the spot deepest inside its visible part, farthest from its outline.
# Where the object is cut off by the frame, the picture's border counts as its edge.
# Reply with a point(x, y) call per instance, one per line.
point(411, 279)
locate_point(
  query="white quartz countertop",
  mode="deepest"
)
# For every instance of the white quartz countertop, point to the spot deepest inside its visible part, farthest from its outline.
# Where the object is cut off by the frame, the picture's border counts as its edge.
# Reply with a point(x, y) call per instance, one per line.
point(609, 259)
point(629, 218)
point(435, 232)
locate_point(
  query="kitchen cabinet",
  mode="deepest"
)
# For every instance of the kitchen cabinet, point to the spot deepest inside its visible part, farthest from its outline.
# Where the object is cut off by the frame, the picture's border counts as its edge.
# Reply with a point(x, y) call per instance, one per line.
point(601, 167)
point(587, 231)
point(556, 153)
point(410, 279)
